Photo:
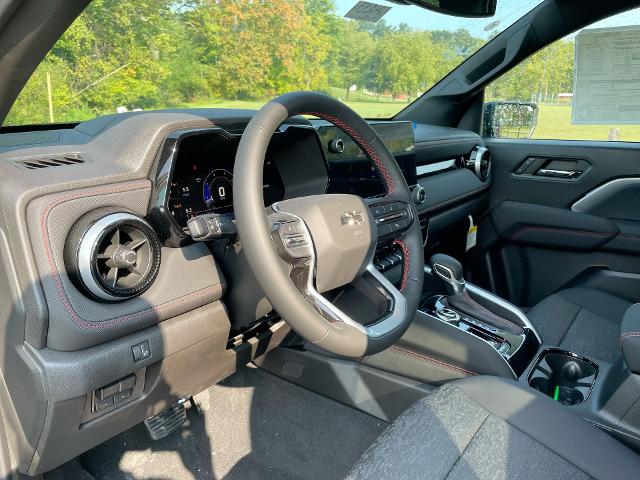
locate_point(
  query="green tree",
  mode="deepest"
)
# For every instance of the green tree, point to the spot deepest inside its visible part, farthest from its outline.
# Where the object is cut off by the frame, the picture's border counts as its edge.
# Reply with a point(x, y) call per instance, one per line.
point(406, 63)
point(350, 55)
point(258, 49)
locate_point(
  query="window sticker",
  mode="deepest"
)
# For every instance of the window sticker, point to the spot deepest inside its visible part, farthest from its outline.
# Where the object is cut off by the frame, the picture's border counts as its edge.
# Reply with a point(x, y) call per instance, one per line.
point(367, 11)
point(606, 76)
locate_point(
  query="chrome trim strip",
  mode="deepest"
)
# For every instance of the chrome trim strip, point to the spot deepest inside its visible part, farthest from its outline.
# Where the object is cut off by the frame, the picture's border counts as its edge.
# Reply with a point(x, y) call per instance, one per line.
point(457, 285)
point(434, 167)
point(602, 193)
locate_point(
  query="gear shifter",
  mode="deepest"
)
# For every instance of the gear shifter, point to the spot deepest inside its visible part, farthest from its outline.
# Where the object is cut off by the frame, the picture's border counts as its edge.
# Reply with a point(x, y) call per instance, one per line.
point(450, 271)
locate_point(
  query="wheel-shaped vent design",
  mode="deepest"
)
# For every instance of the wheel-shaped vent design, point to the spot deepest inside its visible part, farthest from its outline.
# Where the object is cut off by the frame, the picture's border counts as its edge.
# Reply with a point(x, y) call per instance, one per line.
point(116, 257)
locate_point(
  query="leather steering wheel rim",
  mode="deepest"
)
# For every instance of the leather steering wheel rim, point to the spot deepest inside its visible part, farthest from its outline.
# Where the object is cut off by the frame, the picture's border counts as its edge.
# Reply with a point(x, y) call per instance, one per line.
point(255, 227)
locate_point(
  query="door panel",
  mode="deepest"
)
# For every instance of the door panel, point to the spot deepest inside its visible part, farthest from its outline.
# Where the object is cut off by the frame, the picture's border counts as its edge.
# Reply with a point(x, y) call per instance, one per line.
point(547, 232)
point(610, 160)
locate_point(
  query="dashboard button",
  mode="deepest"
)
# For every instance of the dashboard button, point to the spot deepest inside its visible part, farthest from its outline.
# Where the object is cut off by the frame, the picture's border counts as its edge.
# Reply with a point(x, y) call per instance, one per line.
point(141, 351)
point(384, 264)
point(108, 391)
point(392, 207)
point(102, 404)
point(122, 396)
point(127, 382)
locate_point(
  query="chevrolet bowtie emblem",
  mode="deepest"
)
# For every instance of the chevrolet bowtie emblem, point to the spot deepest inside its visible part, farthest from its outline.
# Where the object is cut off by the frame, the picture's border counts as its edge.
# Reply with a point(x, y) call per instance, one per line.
point(356, 217)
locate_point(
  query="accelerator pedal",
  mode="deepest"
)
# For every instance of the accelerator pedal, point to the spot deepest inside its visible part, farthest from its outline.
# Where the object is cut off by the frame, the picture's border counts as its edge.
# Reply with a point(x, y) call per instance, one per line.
point(166, 422)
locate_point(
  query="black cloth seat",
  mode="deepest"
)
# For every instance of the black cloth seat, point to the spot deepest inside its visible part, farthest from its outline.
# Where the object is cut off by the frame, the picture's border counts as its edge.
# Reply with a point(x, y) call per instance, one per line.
point(582, 320)
point(483, 428)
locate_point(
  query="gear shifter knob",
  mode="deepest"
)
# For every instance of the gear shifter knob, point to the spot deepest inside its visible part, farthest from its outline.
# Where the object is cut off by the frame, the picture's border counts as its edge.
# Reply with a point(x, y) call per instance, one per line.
point(450, 271)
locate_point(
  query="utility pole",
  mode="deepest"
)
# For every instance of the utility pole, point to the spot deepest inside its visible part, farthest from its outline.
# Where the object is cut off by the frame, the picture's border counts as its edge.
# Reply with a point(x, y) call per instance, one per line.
point(50, 95)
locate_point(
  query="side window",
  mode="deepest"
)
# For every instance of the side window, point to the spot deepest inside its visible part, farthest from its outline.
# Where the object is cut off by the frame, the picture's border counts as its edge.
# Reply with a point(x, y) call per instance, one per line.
point(585, 86)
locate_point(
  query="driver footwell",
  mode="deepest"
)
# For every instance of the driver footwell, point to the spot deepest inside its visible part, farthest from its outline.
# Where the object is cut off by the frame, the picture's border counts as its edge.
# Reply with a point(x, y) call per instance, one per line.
point(257, 426)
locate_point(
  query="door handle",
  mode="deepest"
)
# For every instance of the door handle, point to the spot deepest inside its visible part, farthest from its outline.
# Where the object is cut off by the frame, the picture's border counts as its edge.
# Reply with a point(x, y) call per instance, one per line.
point(552, 172)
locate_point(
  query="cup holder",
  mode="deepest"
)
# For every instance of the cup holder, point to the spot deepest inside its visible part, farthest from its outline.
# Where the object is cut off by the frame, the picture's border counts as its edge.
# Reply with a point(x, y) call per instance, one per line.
point(563, 376)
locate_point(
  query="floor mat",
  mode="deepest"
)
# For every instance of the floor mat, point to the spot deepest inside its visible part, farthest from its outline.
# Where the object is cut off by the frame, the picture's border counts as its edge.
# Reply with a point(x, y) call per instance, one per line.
point(258, 427)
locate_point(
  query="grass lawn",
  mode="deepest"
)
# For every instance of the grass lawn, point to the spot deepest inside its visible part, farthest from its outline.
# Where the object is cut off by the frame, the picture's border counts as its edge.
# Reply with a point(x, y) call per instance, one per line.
point(366, 106)
point(554, 121)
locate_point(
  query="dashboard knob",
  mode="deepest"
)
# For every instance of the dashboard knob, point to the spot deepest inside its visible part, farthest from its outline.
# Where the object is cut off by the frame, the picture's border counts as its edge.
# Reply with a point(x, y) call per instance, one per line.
point(336, 145)
point(480, 162)
point(418, 194)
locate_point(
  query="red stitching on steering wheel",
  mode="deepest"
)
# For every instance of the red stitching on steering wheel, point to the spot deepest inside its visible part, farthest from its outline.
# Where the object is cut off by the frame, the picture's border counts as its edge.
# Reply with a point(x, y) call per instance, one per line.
point(405, 266)
point(362, 143)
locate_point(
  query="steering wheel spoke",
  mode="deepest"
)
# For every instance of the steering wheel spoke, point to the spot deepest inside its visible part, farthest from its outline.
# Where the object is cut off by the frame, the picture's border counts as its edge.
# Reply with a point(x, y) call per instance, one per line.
point(294, 244)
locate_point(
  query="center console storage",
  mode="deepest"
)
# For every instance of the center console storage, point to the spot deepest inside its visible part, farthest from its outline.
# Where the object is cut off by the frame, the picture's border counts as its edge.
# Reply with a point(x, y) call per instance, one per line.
point(563, 376)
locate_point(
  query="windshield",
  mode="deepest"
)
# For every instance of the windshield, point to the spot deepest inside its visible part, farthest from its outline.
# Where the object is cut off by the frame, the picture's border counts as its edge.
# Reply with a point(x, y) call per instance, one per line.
point(120, 55)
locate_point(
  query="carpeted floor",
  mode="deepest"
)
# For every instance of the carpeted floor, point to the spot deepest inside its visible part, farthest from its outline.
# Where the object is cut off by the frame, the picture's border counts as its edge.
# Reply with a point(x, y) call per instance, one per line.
point(258, 427)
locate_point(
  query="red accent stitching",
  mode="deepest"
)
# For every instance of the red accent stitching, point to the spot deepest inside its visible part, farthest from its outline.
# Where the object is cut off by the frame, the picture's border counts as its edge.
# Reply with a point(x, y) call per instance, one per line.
point(500, 319)
point(81, 322)
point(441, 363)
point(564, 230)
point(362, 143)
point(406, 263)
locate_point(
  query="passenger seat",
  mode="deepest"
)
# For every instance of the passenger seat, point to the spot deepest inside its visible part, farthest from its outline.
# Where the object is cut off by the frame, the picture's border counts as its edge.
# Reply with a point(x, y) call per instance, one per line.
point(582, 320)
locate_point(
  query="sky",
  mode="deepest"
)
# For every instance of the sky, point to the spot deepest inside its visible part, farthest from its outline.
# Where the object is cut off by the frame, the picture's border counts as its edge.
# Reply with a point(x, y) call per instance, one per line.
point(507, 12)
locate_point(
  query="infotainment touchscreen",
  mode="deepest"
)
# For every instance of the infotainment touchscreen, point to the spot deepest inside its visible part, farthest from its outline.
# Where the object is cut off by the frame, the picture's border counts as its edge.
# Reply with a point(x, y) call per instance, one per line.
point(350, 171)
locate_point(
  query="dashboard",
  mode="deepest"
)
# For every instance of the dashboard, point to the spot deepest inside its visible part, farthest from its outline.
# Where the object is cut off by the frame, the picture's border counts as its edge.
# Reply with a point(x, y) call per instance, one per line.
point(300, 160)
point(193, 323)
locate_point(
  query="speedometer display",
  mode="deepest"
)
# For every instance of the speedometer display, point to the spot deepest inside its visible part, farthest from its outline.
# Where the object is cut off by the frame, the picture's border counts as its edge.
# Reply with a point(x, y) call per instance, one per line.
point(217, 190)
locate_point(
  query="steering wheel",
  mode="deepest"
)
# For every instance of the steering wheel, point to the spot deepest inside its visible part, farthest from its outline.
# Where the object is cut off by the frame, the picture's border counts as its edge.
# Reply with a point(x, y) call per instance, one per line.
point(303, 247)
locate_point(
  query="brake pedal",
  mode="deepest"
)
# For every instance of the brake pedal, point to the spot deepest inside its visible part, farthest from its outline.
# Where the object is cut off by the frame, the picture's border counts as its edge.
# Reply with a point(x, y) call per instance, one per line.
point(166, 422)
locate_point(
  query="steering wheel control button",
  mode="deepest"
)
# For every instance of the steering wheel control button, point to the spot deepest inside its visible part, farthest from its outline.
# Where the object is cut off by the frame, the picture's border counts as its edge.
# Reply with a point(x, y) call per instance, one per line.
point(212, 226)
point(295, 242)
point(391, 218)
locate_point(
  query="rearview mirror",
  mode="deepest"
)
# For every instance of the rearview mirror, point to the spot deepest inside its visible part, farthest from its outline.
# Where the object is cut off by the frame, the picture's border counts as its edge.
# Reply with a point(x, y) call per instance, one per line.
point(509, 119)
point(458, 8)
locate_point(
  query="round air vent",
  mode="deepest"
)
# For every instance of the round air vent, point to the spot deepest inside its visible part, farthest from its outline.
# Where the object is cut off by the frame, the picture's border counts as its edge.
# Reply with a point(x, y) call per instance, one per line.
point(112, 255)
point(480, 162)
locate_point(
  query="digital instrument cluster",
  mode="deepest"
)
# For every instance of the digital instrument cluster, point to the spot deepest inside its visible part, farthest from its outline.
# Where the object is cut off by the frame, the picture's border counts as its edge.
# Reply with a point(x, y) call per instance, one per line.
point(202, 180)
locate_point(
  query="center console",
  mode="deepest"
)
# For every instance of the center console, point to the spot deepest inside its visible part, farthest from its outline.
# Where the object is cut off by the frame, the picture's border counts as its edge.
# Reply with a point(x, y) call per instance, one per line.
point(505, 343)
point(479, 313)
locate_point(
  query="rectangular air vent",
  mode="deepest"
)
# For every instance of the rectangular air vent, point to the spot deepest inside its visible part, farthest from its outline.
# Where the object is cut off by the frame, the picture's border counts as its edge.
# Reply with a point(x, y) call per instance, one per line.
point(45, 162)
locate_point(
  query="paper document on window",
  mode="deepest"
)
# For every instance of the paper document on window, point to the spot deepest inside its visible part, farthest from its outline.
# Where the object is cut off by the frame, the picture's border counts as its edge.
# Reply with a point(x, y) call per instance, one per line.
point(606, 76)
